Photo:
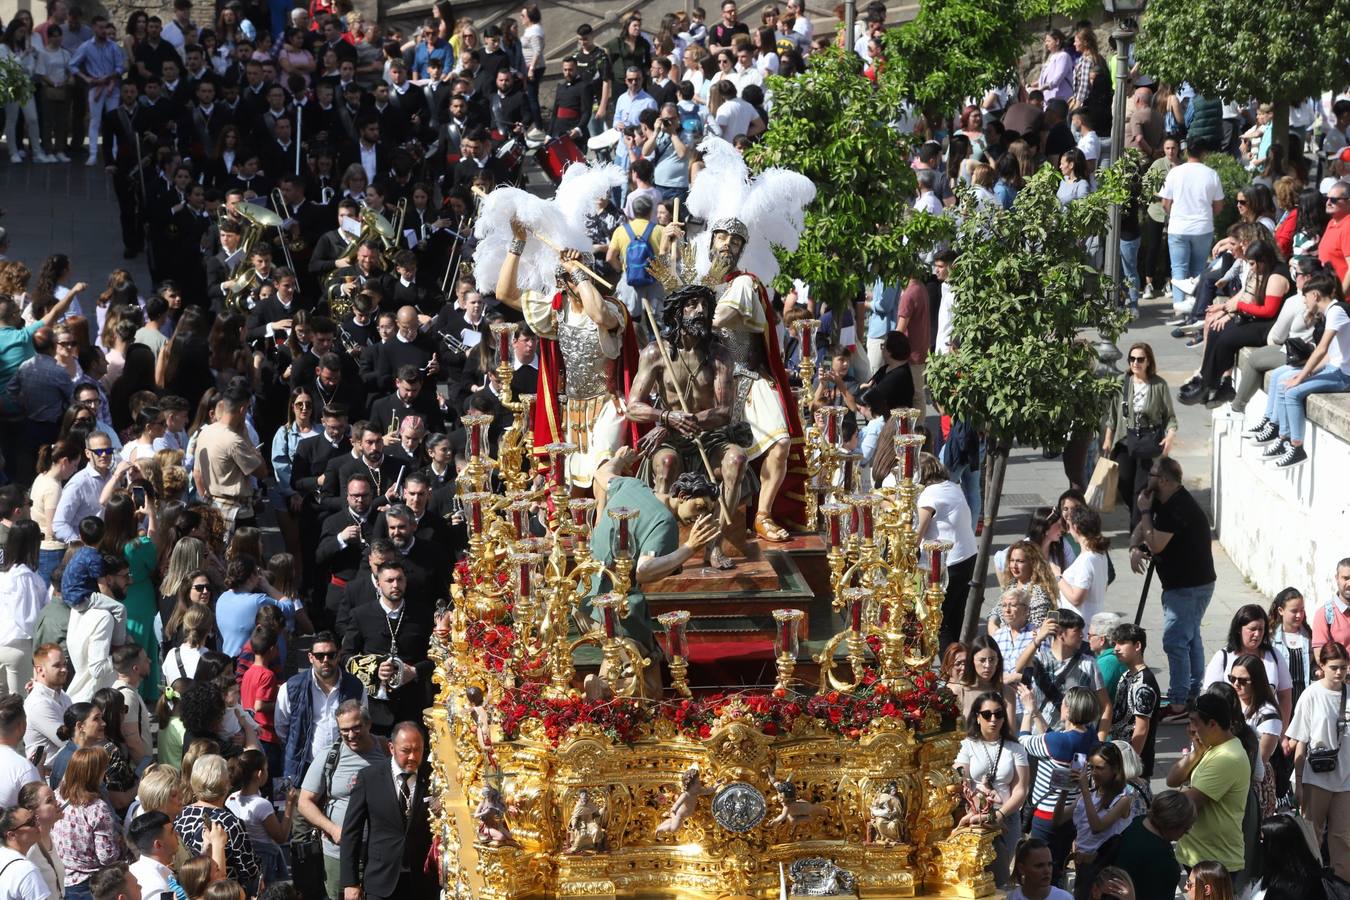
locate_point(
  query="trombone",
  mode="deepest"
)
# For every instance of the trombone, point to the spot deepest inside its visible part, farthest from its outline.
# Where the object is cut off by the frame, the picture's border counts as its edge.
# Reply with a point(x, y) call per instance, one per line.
point(280, 203)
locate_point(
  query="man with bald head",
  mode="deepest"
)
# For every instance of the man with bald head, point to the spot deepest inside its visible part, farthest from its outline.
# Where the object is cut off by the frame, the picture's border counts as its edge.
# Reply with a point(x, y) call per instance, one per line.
point(387, 824)
point(410, 346)
point(1143, 126)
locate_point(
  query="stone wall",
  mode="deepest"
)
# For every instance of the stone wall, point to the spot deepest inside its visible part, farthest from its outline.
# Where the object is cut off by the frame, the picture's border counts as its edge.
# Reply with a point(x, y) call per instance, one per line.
point(1285, 527)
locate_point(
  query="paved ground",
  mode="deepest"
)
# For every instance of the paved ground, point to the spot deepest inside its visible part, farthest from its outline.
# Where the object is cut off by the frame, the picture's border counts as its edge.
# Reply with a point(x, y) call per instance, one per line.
point(1042, 481)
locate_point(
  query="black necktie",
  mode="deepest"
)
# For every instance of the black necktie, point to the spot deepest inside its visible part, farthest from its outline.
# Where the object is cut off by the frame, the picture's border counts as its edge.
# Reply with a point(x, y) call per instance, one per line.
point(404, 793)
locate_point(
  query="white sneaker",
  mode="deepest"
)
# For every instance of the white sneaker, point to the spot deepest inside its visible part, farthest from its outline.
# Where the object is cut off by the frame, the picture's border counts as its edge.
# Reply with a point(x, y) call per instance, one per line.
point(61, 157)
point(45, 158)
point(1186, 285)
point(92, 160)
point(16, 158)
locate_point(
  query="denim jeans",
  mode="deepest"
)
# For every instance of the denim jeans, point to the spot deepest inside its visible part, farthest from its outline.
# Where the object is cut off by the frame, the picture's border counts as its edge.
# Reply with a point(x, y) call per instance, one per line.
point(1129, 265)
point(1292, 402)
point(1188, 253)
point(969, 479)
point(48, 560)
point(1183, 611)
point(1277, 377)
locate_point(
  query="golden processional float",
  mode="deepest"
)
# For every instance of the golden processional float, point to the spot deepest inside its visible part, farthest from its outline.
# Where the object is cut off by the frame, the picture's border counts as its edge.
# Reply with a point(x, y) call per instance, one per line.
point(837, 780)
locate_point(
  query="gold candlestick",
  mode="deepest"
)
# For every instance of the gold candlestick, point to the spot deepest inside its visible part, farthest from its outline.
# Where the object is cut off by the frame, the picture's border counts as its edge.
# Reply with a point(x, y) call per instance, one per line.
point(786, 643)
point(676, 624)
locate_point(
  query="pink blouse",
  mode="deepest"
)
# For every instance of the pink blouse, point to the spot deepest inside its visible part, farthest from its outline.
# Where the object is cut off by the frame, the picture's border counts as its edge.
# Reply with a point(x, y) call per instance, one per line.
point(87, 838)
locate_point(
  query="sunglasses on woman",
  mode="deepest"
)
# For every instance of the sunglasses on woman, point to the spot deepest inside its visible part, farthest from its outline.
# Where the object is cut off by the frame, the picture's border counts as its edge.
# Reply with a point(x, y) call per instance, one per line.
point(990, 715)
point(1236, 680)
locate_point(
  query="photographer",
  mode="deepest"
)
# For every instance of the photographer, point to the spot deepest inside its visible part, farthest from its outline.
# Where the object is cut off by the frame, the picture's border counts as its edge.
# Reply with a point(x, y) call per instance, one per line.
point(663, 144)
point(1322, 755)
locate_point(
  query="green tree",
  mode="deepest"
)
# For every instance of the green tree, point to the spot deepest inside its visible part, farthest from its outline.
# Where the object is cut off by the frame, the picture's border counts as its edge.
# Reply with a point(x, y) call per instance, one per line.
point(1029, 305)
point(832, 125)
point(953, 49)
point(1282, 53)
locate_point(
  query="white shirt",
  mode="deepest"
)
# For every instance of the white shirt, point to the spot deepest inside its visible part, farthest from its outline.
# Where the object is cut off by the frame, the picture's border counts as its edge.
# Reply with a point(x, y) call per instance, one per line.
point(22, 597)
point(733, 118)
point(412, 780)
point(1321, 721)
point(951, 519)
point(46, 712)
point(189, 657)
point(1193, 188)
point(152, 875)
point(1087, 571)
point(89, 640)
point(1277, 670)
point(369, 161)
point(803, 26)
point(946, 310)
point(19, 878)
point(324, 707)
point(15, 772)
point(1338, 351)
point(174, 35)
point(977, 756)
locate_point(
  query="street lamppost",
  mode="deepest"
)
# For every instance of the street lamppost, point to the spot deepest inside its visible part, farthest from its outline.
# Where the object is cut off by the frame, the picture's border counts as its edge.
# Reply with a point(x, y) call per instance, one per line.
point(1125, 29)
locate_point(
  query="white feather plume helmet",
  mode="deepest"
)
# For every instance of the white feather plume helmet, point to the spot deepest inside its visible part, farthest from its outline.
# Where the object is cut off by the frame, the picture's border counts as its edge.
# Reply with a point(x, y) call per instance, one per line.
point(561, 220)
point(771, 205)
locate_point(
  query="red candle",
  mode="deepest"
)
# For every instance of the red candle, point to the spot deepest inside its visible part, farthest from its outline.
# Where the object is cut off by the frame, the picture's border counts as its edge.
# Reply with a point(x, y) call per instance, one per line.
point(558, 469)
point(908, 461)
point(867, 521)
point(579, 516)
point(883, 614)
point(518, 520)
point(855, 609)
point(853, 521)
point(524, 579)
point(623, 535)
point(504, 345)
point(807, 335)
point(836, 526)
point(935, 568)
point(849, 463)
point(475, 447)
point(831, 427)
point(609, 617)
point(476, 515)
point(904, 427)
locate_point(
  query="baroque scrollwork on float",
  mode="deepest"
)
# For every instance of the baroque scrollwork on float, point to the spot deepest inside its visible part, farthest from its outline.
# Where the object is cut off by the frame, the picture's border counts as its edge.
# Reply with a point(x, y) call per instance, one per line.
point(628, 787)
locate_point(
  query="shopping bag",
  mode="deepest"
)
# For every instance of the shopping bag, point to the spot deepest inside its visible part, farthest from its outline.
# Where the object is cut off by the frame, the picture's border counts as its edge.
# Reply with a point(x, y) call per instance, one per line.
point(1101, 491)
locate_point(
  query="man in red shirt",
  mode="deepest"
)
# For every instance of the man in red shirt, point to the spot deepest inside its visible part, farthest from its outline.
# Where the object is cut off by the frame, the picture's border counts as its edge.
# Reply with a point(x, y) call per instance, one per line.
point(912, 319)
point(1336, 609)
point(1334, 250)
point(258, 693)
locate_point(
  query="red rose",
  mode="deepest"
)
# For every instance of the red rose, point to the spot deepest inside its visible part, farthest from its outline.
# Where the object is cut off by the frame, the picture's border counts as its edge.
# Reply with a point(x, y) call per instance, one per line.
point(770, 728)
point(836, 715)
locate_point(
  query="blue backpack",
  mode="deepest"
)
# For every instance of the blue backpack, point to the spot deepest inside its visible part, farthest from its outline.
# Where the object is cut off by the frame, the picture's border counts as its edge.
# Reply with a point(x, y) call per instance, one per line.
point(637, 256)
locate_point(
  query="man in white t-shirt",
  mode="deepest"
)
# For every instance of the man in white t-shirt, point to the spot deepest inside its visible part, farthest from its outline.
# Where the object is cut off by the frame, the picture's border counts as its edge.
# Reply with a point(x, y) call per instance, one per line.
point(19, 878)
point(15, 770)
point(1192, 196)
point(1326, 371)
point(734, 116)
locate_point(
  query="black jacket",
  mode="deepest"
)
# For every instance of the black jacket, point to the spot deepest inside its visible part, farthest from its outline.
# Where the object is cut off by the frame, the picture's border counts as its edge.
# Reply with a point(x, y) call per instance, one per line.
point(370, 633)
point(310, 459)
point(376, 833)
point(340, 561)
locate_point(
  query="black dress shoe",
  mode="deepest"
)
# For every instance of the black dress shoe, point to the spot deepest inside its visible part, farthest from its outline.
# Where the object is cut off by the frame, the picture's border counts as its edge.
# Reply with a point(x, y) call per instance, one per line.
point(1192, 394)
point(1224, 393)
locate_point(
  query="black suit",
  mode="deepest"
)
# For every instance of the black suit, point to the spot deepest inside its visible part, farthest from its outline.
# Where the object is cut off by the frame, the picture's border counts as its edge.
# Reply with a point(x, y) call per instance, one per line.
point(376, 832)
point(310, 459)
point(327, 249)
point(509, 111)
point(462, 175)
point(120, 127)
point(269, 311)
point(351, 153)
point(342, 563)
point(389, 408)
point(370, 633)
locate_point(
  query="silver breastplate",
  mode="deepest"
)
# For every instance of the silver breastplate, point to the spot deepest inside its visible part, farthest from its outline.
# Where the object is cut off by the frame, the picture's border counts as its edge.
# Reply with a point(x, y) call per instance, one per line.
point(737, 343)
point(587, 365)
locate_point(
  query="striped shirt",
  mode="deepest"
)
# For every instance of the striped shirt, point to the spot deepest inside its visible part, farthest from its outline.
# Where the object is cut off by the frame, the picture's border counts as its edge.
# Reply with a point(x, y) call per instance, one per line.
point(1057, 748)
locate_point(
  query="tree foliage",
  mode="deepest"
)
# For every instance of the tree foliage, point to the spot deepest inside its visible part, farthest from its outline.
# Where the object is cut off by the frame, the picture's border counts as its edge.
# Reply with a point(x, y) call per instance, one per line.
point(1029, 303)
point(1271, 51)
point(953, 49)
point(832, 125)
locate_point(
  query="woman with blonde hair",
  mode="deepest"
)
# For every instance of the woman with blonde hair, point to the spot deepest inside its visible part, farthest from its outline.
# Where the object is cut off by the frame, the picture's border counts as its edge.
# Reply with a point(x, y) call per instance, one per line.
point(210, 783)
point(1027, 568)
point(88, 836)
point(354, 183)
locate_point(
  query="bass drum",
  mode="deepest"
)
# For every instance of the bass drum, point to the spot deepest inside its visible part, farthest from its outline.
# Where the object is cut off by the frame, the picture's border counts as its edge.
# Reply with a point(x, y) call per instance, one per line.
point(555, 156)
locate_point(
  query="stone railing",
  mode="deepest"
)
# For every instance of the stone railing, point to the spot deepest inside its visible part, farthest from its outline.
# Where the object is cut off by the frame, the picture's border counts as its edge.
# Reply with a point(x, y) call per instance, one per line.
point(1284, 527)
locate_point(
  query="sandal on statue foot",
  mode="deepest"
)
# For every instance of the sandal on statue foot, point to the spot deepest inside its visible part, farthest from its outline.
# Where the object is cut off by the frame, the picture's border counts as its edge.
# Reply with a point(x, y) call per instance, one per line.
point(770, 530)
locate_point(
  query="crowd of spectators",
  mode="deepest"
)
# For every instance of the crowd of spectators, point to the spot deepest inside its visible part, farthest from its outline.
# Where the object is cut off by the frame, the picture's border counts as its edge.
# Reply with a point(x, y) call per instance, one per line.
point(180, 707)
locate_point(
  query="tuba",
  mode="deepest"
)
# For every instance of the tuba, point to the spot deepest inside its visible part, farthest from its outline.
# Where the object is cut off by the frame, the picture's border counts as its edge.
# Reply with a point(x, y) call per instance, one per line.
point(374, 227)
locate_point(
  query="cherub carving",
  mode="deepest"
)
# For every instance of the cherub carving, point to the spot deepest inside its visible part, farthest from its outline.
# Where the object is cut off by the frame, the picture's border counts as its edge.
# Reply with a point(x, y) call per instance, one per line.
point(795, 811)
point(491, 816)
point(685, 804)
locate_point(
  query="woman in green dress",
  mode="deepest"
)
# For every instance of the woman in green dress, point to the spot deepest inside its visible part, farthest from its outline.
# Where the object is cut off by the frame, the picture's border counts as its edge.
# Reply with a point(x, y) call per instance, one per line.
point(121, 518)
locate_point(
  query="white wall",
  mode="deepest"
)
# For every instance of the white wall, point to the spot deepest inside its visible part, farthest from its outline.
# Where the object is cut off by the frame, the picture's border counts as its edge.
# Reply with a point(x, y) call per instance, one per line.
point(1281, 527)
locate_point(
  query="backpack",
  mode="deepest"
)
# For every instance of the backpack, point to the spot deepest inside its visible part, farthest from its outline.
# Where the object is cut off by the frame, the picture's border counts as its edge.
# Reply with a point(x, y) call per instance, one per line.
point(638, 255)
